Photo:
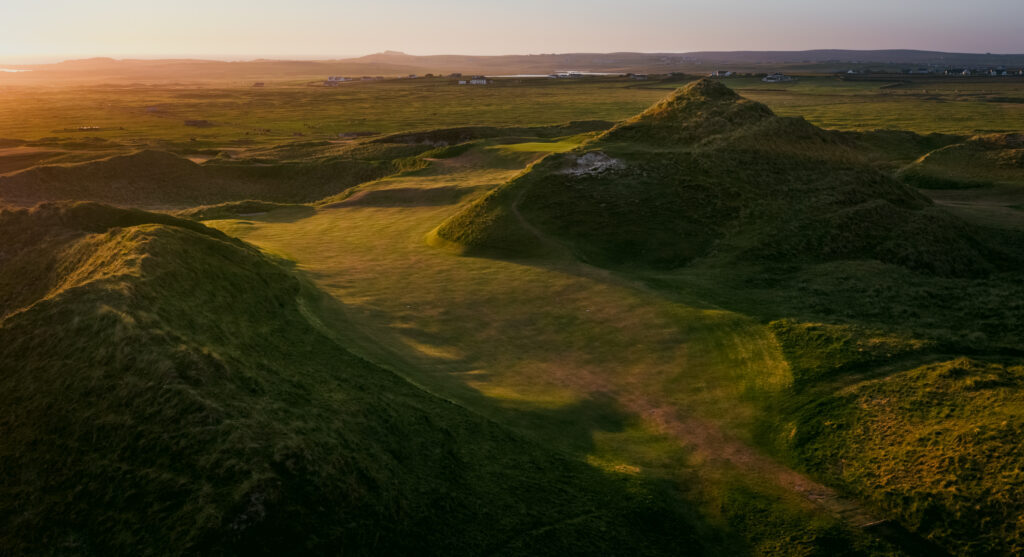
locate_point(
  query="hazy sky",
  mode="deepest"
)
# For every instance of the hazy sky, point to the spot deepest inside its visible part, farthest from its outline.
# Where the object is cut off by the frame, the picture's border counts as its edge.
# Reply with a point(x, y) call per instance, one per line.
point(37, 30)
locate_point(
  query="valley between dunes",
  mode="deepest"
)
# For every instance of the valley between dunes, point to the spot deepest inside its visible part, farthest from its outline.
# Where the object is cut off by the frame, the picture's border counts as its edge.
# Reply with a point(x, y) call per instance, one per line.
point(706, 329)
point(587, 361)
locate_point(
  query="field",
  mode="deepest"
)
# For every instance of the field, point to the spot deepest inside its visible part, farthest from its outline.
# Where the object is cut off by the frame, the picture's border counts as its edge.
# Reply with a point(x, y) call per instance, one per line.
point(242, 115)
point(843, 378)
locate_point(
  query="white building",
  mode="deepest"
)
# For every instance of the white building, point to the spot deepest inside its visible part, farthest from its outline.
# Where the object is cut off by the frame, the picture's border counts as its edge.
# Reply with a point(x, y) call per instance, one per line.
point(721, 73)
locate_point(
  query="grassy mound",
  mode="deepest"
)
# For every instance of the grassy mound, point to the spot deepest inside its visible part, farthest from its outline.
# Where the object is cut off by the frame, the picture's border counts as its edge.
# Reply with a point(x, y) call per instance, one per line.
point(165, 392)
point(454, 136)
point(981, 161)
point(158, 179)
point(939, 444)
point(708, 174)
point(235, 209)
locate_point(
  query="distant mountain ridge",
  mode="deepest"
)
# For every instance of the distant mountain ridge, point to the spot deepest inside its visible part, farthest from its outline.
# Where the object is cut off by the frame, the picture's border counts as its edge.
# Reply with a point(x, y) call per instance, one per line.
point(394, 63)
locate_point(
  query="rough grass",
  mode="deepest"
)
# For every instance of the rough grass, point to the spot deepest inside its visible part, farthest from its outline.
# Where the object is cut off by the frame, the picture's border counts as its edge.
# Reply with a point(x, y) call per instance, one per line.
point(237, 209)
point(856, 275)
point(982, 161)
point(940, 444)
point(157, 179)
point(706, 173)
point(809, 359)
point(591, 374)
point(168, 394)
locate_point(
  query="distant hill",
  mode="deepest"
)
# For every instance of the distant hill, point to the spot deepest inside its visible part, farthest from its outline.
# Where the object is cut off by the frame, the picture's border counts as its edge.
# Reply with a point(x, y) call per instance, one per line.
point(706, 174)
point(391, 63)
point(167, 391)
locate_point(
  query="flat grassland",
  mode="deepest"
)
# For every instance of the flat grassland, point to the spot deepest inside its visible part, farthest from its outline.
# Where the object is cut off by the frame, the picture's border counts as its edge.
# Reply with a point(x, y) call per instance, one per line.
point(226, 116)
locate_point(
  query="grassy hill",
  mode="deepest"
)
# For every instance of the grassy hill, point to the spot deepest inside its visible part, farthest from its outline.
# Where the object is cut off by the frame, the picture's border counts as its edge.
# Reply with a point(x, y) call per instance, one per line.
point(166, 391)
point(981, 161)
point(151, 178)
point(708, 174)
point(897, 319)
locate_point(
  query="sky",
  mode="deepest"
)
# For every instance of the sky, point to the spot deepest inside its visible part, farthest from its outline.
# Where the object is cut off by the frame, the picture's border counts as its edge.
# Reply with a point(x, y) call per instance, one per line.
point(52, 30)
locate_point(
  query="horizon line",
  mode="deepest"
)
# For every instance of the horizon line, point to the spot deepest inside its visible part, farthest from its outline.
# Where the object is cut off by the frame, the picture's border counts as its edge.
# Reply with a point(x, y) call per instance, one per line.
point(226, 58)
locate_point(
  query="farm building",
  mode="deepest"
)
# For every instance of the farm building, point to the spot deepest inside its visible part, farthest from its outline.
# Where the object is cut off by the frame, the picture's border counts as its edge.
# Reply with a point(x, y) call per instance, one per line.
point(475, 80)
point(721, 73)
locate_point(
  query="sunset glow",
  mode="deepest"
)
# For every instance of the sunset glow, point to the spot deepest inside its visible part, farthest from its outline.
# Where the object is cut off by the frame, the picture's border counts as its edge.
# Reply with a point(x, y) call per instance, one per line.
point(51, 30)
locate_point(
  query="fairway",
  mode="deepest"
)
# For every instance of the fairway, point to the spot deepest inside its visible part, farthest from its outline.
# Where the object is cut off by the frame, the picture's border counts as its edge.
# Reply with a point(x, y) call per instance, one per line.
point(585, 315)
point(583, 360)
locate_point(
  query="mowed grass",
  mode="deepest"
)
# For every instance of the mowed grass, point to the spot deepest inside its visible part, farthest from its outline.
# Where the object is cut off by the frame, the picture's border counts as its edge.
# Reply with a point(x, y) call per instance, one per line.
point(574, 357)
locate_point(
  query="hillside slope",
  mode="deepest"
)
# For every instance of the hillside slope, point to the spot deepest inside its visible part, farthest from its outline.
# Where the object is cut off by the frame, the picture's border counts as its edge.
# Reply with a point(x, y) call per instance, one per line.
point(165, 392)
point(157, 179)
point(708, 174)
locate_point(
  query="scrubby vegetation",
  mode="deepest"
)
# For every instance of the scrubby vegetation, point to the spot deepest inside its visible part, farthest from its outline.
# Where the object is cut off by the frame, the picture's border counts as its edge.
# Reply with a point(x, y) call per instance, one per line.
point(858, 277)
point(982, 161)
point(157, 179)
point(939, 444)
point(706, 173)
point(838, 300)
point(166, 393)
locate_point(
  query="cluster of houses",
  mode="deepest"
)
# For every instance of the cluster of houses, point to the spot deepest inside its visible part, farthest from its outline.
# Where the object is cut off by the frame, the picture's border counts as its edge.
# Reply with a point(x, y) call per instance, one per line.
point(336, 80)
point(770, 78)
point(475, 80)
point(1000, 71)
point(984, 72)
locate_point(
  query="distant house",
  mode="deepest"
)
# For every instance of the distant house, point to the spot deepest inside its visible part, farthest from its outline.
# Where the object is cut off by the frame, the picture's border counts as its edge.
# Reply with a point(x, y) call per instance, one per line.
point(776, 78)
point(721, 73)
point(413, 76)
point(258, 84)
point(335, 80)
point(475, 80)
point(639, 76)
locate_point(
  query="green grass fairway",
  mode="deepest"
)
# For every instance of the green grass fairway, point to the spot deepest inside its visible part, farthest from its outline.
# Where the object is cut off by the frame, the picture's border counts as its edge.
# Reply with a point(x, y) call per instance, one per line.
point(575, 357)
point(771, 338)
